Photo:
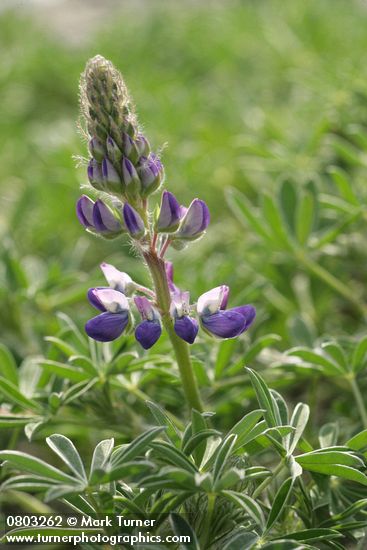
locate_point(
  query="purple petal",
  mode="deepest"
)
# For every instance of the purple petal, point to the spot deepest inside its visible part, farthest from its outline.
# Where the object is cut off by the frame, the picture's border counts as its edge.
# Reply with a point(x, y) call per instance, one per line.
point(95, 174)
point(92, 297)
point(103, 218)
point(147, 333)
point(107, 326)
point(196, 219)
point(248, 312)
point(186, 328)
point(169, 274)
point(133, 221)
point(169, 215)
point(224, 324)
point(84, 211)
point(144, 307)
point(109, 172)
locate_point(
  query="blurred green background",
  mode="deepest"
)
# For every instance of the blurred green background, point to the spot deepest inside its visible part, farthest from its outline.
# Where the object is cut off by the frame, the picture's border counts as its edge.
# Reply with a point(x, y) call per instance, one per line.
point(238, 93)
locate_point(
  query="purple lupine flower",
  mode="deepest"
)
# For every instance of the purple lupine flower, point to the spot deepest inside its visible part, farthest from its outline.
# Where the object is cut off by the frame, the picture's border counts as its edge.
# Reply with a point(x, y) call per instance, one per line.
point(115, 316)
point(151, 173)
point(185, 327)
point(169, 214)
point(118, 280)
point(97, 217)
point(195, 221)
point(218, 321)
point(133, 221)
point(96, 149)
point(95, 175)
point(149, 330)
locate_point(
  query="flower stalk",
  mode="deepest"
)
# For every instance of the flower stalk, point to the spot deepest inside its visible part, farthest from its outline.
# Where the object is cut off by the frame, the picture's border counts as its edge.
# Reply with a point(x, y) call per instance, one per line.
point(123, 172)
point(158, 272)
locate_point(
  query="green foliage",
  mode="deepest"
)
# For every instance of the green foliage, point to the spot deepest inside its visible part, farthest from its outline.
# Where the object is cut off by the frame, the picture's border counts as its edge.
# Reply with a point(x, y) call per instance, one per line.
point(263, 106)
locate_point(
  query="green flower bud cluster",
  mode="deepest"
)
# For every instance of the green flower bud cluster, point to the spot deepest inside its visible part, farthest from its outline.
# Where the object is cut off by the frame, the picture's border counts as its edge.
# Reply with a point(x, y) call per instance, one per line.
point(121, 162)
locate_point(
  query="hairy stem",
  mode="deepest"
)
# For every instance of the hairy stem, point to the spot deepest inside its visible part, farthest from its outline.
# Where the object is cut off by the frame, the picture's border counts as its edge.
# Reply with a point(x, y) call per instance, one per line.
point(181, 348)
point(268, 480)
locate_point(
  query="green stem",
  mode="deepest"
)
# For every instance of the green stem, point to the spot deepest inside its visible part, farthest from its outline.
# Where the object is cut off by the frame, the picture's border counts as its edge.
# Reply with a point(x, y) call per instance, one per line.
point(331, 281)
point(359, 400)
point(157, 269)
point(268, 480)
point(208, 519)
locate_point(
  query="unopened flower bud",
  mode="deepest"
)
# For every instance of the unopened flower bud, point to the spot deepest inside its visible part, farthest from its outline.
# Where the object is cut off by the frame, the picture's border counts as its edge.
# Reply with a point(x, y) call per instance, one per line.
point(98, 218)
point(195, 221)
point(114, 153)
point(169, 215)
point(104, 219)
point(95, 175)
point(131, 179)
point(151, 173)
point(96, 149)
point(129, 147)
point(84, 211)
point(142, 145)
point(133, 221)
point(111, 177)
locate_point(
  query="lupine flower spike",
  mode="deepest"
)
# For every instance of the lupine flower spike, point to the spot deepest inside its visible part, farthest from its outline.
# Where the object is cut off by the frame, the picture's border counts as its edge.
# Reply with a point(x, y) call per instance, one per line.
point(122, 165)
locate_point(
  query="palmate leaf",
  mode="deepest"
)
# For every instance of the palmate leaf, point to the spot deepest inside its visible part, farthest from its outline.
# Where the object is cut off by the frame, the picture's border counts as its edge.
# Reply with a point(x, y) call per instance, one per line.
point(248, 504)
point(116, 473)
point(136, 447)
point(280, 501)
point(199, 427)
point(64, 371)
point(170, 455)
point(329, 367)
point(358, 442)
point(334, 462)
point(223, 454)
point(181, 528)
point(245, 425)
point(24, 462)
point(161, 417)
point(197, 439)
point(14, 420)
point(101, 455)
point(312, 535)
point(265, 399)
point(28, 483)
point(241, 540)
point(66, 450)
point(14, 396)
point(299, 420)
point(328, 434)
